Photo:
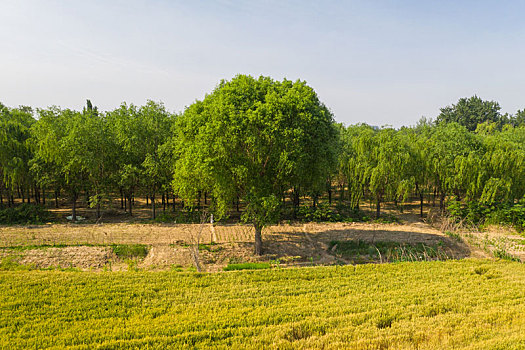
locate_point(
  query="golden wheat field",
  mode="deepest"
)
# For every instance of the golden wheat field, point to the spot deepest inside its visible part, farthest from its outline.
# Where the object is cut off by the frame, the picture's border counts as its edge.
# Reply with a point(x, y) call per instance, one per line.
point(466, 304)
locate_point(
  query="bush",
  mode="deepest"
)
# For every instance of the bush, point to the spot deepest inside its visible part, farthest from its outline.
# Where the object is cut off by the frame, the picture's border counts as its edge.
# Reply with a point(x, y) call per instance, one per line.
point(128, 251)
point(180, 217)
point(24, 214)
point(321, 212)
point(508, 215)
point(247, 266)
point(478, 214)
point(472, 212)
point(386, 219)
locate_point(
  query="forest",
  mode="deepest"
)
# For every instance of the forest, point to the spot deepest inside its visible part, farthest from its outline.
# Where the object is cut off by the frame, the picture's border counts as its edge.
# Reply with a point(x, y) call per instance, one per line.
point(267, 149)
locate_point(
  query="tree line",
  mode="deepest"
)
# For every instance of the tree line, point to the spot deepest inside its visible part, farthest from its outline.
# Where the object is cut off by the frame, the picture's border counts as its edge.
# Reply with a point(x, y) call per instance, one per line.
point(263, 143)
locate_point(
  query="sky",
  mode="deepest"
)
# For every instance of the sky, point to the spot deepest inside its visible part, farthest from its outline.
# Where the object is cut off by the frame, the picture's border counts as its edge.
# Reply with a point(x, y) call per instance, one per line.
point(374, 61)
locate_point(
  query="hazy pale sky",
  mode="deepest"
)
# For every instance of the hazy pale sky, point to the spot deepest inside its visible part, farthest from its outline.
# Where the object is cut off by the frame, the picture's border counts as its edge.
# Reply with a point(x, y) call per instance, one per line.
point(379, 62)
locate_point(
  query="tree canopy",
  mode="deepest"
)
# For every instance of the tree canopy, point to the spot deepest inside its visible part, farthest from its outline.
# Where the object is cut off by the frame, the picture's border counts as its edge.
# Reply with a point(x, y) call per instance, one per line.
point(254, 139)
point(251, 146)
point(470, 112)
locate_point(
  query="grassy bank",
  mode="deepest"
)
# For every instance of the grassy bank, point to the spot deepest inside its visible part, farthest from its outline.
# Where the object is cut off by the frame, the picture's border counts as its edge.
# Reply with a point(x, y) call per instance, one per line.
point(454, 304)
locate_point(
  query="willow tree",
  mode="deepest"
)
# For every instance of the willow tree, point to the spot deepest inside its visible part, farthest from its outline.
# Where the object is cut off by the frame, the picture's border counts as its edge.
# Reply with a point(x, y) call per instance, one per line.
point(354, 160)
point(253, 138)
point(15, 150)
point(452, 152)
point(503, 167)
point(389, 168)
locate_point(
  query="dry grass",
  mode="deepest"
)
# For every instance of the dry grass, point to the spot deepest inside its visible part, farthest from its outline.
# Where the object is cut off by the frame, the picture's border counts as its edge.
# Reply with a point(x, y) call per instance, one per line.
point(170, 244)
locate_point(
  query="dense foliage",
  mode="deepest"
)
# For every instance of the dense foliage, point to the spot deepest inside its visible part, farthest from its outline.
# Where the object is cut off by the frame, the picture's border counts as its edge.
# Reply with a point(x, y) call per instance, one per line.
point(261, 147)
point(426, 305)
point(24, 214)
point(254, 139)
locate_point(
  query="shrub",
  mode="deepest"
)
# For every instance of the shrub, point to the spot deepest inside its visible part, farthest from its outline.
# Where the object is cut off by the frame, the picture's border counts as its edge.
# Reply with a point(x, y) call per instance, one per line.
point(504, 255)
point(508, 215)
point(128, 251)
point(24, 214)
point(180, 217)
point(478, 214)
point(321, 212)
point(247, 266)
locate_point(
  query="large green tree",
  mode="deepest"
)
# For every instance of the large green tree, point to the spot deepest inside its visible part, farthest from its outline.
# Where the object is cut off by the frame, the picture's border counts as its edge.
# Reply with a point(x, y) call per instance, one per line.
point(254, 138)
point(470, 112)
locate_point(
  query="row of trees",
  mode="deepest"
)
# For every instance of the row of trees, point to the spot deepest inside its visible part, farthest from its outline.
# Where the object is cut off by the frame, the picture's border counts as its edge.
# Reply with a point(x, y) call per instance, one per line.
point(444, 160)
point(98, 154)
point(259, 142)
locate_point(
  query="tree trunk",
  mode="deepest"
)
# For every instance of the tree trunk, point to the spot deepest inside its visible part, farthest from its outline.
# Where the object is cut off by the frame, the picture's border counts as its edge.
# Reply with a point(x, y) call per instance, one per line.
point(330, 195)
point(130, 204)
point(125, 203)
point(163, 202)
point(442, 201)
point(43, 195)
point(121, 199)
point(98, 209)
point(56, 198)
point(74, 209)
point(296, 202)
point(205, 198)
point(238, 200)
point(153, 212)
point(378, 208)
point(421, 204)
point(258, 239)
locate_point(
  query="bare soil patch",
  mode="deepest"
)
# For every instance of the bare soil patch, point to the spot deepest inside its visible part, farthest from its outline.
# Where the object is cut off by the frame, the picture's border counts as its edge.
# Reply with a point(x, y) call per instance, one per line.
point(291, 244)
point(83, 257)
